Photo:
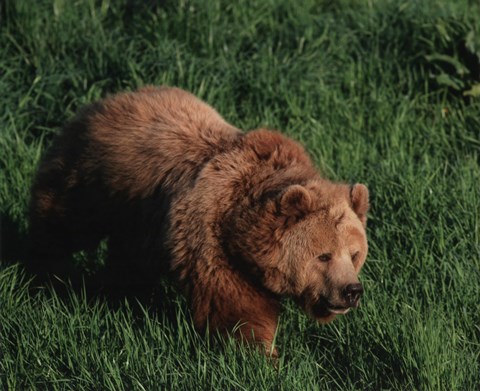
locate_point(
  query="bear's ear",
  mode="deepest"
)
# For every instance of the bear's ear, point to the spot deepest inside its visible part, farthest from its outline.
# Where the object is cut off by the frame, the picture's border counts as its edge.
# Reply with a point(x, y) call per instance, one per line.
point(359, 201)
point(295, 201)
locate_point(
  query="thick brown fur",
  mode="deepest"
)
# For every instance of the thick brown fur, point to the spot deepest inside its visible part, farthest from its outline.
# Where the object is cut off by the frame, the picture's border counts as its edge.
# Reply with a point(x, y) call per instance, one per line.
point(239, 219)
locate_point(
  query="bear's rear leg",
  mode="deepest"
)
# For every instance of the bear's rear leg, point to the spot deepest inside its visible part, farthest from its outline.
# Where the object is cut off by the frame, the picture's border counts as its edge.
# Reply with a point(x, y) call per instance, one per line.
point(57, 231)
point(50, 251)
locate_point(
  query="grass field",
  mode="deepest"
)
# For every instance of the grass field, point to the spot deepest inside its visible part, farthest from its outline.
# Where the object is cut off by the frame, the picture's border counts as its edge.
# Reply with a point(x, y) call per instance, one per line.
point(381, 92)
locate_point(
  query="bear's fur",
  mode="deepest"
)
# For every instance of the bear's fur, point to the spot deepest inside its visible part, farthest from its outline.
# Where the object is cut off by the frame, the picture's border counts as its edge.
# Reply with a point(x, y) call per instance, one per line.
point(239, 220)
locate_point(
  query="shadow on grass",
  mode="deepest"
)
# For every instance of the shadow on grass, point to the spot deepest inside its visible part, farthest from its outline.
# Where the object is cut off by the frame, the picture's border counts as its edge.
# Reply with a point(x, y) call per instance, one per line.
point(352, 360)
point(158, 297)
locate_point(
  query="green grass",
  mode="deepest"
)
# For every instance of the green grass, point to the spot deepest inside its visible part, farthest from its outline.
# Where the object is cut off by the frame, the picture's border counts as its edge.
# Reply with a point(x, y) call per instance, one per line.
point(381, 92)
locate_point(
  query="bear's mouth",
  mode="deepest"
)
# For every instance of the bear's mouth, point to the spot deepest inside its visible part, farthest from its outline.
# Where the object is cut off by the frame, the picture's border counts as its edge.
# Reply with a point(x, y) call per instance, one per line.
point(324, 308)
point(339, 310)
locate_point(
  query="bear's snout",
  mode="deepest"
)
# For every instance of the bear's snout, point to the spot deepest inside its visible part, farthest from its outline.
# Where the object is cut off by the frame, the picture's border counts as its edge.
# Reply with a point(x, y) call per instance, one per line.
point(352, 293)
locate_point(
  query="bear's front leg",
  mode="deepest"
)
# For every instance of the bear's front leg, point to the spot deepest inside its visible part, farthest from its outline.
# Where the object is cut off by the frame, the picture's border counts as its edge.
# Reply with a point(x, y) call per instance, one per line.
point(231, 305)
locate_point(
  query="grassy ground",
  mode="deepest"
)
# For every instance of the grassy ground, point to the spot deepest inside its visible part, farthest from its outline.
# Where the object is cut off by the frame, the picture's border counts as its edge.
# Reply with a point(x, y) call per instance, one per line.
point(381, 92)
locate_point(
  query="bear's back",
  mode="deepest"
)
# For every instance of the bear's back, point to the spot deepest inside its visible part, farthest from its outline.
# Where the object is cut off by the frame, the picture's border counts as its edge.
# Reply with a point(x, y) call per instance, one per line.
point(153, 137)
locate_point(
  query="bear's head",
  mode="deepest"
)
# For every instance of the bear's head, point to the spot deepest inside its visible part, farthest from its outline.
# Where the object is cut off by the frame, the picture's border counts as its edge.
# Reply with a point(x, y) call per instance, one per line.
point(307, 242)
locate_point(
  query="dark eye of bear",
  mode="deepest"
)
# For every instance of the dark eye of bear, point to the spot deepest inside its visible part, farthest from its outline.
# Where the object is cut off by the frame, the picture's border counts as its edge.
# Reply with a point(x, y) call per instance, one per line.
point(325, 257)
point(355, 256)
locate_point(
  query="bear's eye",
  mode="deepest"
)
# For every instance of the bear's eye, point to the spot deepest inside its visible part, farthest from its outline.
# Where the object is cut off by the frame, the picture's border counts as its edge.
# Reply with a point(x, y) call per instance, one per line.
point(325, 257)
point(355, 256)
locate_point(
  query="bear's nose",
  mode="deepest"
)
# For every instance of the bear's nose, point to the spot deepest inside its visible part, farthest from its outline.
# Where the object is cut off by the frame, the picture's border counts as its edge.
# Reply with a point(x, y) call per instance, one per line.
point(352, 293)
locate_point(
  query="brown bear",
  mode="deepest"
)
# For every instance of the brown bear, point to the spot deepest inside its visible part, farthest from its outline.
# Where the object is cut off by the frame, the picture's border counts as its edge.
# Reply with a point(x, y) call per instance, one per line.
point(239, 220)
